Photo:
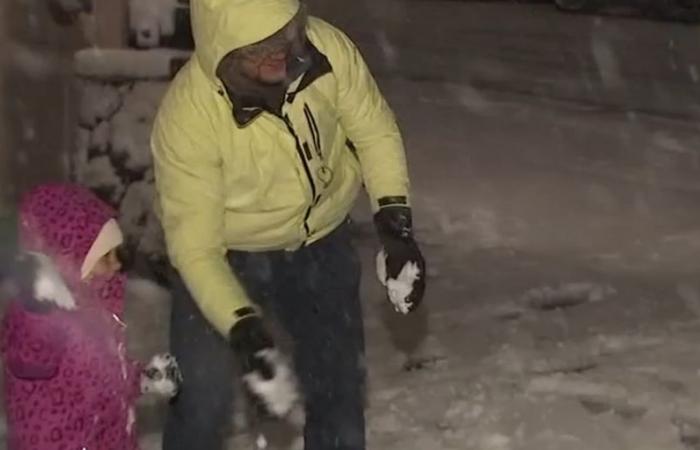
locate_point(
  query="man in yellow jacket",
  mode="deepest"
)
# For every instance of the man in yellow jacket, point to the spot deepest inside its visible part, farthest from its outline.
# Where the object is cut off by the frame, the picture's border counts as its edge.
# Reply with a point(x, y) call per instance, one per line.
point(260, 147)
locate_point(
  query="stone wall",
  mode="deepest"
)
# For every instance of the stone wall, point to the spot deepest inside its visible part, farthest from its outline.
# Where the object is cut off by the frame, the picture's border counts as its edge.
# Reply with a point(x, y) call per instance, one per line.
point(120, 91)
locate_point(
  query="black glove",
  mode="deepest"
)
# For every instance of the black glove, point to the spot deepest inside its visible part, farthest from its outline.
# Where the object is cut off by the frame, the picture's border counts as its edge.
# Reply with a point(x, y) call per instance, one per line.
point(248, 339)
point(265, 373)
point(401, 266)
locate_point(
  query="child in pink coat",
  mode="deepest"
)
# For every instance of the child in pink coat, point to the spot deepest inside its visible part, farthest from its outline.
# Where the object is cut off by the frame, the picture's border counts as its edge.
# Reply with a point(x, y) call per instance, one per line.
point(68, 382)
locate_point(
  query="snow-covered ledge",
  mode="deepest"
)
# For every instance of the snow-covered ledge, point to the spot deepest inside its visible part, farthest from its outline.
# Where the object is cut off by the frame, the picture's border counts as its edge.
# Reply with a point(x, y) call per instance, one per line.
point(128, 64)
point(120, 91)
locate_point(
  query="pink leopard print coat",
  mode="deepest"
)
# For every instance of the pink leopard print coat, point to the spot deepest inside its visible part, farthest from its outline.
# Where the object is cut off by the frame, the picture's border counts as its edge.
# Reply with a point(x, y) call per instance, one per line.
point(68, 383)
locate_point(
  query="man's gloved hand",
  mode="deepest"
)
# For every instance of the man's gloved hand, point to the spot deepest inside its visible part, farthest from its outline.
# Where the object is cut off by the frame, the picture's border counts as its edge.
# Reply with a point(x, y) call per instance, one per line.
point(161, 376)
point(266, 374)
point(400, 265)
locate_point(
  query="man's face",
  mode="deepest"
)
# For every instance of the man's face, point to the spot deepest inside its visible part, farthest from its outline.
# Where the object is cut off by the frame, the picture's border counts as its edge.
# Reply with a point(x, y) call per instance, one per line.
point(269, 67)
point(267, 61)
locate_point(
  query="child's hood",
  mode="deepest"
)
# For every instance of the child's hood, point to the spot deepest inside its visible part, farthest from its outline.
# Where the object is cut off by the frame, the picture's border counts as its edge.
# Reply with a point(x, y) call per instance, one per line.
point(62, 221)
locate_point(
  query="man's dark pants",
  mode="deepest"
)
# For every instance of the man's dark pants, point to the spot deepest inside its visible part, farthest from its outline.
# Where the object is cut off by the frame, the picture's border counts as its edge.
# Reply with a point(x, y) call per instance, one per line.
point(314, 295)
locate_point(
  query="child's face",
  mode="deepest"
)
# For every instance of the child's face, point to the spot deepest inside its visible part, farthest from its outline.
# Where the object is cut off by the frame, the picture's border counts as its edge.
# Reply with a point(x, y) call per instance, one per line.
point(107, 266)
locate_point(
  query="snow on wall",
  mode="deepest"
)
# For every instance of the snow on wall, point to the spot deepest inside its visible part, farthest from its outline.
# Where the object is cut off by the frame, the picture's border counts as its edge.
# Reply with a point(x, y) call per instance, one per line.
point(98, 102)
point(149, 20)
point(120, 94)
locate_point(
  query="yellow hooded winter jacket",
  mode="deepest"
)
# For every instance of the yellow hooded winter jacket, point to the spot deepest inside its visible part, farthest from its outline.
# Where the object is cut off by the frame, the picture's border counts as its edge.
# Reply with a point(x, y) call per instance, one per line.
point(231, 177)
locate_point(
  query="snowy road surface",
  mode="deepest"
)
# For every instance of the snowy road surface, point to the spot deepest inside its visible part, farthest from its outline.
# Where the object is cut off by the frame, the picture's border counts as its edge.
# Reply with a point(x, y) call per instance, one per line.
point(555, 166)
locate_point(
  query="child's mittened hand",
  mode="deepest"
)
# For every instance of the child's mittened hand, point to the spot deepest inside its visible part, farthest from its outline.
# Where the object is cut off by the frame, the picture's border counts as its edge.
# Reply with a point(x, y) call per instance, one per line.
point(161, 376)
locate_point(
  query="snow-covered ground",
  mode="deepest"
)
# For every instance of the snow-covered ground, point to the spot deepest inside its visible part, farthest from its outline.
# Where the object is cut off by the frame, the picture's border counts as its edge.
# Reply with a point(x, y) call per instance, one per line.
point(555, 166)
point(517, 351)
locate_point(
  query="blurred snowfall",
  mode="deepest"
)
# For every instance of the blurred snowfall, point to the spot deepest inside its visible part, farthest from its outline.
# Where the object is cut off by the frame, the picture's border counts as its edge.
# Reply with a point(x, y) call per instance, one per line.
point(555, 172)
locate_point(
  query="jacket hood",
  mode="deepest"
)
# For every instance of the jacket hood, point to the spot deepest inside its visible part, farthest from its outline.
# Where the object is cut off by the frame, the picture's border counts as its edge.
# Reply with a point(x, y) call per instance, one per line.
point(221, 26)
point(62, 221)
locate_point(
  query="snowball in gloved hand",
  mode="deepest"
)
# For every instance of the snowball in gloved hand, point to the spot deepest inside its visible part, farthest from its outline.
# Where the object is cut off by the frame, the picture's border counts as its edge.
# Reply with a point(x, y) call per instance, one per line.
point(400, 265)
point(266, 373)
point(400, 288)
point(279, 393)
